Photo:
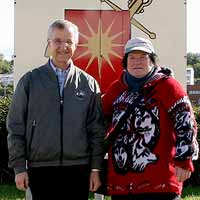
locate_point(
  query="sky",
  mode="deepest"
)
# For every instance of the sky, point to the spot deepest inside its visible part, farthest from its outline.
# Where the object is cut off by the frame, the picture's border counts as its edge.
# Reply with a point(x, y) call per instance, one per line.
point(7, 27)
point(193, 28)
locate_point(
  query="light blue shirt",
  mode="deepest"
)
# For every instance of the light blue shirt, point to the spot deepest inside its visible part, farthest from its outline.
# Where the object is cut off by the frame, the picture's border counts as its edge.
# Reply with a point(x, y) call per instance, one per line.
point(61, 75)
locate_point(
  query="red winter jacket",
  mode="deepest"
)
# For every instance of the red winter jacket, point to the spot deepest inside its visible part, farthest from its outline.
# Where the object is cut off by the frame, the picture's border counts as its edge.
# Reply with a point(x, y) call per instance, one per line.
point(158, 135)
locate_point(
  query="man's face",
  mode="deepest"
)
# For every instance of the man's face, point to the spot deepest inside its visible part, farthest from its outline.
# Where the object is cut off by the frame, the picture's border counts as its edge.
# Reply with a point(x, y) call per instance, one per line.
point(62, 46)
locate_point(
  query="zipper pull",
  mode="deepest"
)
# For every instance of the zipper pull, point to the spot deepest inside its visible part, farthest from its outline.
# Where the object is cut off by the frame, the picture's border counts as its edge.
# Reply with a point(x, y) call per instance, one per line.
point(34, 123)
point(61, 102)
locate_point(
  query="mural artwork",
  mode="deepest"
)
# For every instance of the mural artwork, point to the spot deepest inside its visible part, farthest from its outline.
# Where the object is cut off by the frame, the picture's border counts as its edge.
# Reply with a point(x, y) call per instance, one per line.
point(103, 34)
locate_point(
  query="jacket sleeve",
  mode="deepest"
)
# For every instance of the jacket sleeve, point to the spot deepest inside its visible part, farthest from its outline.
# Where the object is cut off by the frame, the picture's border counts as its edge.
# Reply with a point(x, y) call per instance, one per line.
point(185, 127)
point(96, 128)
point(186, 130)
point(16, 126)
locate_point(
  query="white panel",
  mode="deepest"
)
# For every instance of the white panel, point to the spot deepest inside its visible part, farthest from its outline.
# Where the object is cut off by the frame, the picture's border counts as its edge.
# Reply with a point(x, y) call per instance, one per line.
point(164, 17)
point(32, 19)
point(168, 20)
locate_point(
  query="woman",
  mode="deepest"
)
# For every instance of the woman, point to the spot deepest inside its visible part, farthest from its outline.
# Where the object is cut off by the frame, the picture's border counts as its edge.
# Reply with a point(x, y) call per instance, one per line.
point(152, 138)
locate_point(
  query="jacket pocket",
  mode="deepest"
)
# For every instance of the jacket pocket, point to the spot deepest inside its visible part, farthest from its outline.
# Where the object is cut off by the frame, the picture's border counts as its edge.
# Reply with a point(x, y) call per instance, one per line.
point(31, 136)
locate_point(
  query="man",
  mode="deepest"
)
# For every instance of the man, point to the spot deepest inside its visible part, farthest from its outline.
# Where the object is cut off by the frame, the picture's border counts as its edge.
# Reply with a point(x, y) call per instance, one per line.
point(55, 124)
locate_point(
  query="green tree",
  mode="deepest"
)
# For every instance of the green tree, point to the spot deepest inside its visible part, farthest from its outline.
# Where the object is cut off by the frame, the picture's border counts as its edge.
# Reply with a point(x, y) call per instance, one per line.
point(196, 68)
point(193, 58)
point(6, 67)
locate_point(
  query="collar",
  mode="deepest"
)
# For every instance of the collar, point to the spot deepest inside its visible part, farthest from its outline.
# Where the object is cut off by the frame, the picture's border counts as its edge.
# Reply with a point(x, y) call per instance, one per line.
point(56, 69)
point(135, 84)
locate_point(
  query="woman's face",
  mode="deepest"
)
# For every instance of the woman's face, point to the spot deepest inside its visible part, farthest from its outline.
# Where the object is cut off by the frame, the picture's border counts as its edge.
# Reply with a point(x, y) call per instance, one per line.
point(139, 64)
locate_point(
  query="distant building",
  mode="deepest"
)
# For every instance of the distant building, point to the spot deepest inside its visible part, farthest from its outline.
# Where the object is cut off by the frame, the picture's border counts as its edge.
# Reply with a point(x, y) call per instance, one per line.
point(1, 56)
point(6, 79)
point(194, 93)
point(190, 76)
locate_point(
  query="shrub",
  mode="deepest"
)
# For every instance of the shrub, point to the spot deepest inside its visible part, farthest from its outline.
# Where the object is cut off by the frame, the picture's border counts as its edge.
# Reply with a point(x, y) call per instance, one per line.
point(6, 174)
point(8, 90)
point(4, 106)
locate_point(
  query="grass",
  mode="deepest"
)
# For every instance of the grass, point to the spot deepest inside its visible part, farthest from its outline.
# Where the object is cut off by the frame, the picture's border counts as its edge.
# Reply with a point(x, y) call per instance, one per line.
point(9, 192)
point(191, 193)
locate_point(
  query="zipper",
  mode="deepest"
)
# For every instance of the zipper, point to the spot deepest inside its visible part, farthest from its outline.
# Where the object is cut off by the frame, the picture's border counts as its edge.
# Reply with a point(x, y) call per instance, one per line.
point(61, 121)
point(31, 137)
point(61, 129)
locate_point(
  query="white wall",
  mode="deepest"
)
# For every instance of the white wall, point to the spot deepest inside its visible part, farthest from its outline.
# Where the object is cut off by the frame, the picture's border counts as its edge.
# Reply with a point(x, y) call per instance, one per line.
point(167, 18)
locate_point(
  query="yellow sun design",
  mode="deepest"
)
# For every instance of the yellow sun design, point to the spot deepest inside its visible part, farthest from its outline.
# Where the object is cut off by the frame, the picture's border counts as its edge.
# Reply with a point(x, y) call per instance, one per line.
point(100, 45)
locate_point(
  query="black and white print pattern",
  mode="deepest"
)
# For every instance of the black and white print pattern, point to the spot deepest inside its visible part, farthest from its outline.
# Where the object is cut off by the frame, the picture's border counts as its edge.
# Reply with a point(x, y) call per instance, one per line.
point(133, 147)
point(183, 120)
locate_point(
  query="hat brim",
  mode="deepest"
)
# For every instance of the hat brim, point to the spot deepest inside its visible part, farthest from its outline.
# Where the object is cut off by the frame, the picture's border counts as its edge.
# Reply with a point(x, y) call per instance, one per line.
point(139, 49)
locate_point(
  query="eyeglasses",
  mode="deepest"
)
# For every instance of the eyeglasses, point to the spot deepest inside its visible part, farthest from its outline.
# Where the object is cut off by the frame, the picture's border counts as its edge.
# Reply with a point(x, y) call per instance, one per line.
point(59, 42)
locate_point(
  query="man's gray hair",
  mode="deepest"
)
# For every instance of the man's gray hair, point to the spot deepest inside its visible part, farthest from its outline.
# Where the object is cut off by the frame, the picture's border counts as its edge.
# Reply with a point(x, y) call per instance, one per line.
point(64, 24)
